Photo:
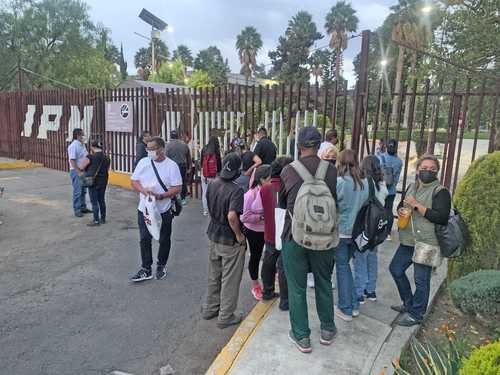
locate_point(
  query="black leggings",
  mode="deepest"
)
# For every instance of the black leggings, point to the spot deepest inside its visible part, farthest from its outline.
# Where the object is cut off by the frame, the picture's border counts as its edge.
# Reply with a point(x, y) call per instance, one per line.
point(256, 244)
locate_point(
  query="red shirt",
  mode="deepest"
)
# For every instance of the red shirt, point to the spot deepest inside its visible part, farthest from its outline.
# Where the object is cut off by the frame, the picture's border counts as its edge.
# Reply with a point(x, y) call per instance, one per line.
point(268, 194)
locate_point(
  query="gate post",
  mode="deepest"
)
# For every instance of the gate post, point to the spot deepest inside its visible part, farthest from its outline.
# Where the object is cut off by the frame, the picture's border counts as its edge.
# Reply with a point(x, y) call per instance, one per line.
point(362, 91)
point(452, 140)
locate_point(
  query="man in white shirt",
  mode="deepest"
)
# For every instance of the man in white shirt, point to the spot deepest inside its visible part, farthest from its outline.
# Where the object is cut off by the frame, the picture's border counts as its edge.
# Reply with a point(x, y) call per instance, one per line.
point(145, 181)
point(76, 153)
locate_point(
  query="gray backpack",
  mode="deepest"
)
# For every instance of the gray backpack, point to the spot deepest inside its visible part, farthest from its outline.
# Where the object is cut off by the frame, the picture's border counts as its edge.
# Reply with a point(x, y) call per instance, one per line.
point(314, 220)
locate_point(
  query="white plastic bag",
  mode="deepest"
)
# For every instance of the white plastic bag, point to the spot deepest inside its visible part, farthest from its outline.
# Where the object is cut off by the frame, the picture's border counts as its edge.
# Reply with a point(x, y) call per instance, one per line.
point(152, 217)
point(279, 221)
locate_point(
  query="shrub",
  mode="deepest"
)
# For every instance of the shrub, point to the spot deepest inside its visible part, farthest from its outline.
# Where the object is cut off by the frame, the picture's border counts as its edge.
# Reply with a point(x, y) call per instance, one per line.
point(477, 292)
point(483, 361)
point(431, 360)
point(478, 199)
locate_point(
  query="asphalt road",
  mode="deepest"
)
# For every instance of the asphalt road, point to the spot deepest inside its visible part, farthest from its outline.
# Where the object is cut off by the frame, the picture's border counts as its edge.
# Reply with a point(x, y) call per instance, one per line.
point(66, 306)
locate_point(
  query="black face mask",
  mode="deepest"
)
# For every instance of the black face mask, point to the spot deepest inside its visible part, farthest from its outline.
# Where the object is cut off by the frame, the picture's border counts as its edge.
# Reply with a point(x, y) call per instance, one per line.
point(427, 176)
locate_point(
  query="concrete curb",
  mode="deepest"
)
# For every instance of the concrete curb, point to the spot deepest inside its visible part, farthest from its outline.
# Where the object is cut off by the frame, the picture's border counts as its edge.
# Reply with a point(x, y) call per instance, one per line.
point(19, 164)
point(227, 357)
point(120, 179)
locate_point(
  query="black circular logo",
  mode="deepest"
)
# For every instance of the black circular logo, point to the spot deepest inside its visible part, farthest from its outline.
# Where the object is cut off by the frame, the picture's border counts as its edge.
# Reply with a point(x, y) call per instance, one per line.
point(124, 110)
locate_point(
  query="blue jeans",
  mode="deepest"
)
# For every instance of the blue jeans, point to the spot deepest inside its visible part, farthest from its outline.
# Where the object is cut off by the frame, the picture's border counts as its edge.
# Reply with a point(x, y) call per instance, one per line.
point(365, 271)
point(348, 299)
point(78, 192)
point(96, 194)
point(415, 303)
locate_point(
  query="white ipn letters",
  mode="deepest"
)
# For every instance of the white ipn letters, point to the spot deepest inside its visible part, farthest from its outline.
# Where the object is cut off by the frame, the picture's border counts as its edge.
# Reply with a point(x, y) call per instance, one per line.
point(28, 120)
point(46, 124)
point(75, 122)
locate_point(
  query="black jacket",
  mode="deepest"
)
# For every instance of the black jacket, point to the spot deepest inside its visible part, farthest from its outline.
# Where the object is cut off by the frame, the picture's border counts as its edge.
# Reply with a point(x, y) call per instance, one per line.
point(140, 152)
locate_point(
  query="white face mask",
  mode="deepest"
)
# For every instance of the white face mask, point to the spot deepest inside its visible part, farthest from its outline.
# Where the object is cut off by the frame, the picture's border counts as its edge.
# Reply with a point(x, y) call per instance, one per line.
point(153, 155)
point(84, 139)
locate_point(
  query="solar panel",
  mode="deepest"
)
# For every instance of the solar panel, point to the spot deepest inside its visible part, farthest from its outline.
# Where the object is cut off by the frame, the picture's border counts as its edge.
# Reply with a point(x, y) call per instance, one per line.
point(152, 20)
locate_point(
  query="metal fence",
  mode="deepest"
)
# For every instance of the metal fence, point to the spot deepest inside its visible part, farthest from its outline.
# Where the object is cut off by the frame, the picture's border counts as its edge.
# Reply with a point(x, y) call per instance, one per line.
point(37, 125)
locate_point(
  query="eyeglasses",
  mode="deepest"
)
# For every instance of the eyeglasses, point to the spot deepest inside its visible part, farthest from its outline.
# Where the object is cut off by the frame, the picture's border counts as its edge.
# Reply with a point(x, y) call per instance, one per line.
point(432, 169)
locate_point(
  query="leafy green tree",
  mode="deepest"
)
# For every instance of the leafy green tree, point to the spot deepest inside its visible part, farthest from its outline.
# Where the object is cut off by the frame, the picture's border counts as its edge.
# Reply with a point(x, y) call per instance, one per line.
point(183, 53)
point(200, 79)
point(259, 71)
point(291, 57)
point(142, 58)
point(123, 64)
point(211, 61)
point(339, 21)
point(248, 43)
point(51, 38)
point(170, 72)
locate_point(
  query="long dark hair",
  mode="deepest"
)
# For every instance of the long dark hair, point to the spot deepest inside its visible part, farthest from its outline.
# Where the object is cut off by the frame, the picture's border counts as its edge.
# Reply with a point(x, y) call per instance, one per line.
point(370, 167)
point(278, 164)
point(347, 164)
point(262, 171)
point(213, 146)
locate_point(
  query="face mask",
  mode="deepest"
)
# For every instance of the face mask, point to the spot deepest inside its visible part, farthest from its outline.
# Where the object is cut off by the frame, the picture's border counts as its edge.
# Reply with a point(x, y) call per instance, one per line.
point(84, 139)
point(427, 176)
point(153, 155)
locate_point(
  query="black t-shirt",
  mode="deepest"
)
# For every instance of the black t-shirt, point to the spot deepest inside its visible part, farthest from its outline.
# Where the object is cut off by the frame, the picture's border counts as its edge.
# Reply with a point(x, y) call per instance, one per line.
point(101, 161)
point(266, 150)
point(223, 196)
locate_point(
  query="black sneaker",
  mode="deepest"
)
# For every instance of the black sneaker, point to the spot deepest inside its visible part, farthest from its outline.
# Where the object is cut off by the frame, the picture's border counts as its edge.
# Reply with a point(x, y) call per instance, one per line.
point(209, 315)
point(326, 337)
point(283, 306)
point(102, 221)
point(399, 308)
point(361, 300)
point(269, 297)
point(408, 321)
point(304, 345)
point(142, 275)
point(235, 319)
point(86, 211)
point(93, 224)
point(161, 272)
point(371, 296)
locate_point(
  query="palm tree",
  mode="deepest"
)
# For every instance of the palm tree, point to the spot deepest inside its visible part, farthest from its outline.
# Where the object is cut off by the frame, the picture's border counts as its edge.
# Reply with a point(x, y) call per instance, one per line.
point(339, 21)
point(409, 30)
point(318, 60)
point(248, 43)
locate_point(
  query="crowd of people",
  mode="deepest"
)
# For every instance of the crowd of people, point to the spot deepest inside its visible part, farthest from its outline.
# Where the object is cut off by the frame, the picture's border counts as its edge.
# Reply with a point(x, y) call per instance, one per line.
point(296, 218)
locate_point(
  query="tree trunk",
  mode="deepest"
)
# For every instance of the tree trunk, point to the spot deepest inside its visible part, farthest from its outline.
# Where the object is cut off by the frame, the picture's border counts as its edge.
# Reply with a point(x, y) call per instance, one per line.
point(337, 64)
point(397, 85)
point(406, 117)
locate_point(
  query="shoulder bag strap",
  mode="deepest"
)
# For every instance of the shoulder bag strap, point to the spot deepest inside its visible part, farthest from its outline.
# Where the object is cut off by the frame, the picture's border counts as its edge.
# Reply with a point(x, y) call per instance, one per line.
point(322, 169)
point(371, 188)
point(99, 167)
point(302, 171)
point(158, 176)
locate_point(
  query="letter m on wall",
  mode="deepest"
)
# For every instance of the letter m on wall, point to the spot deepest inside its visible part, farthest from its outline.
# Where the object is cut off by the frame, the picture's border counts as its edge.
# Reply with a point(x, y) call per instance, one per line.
point(76, 122)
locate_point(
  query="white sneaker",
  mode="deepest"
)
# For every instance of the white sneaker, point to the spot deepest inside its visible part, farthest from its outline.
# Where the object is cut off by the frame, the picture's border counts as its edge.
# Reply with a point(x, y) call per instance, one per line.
point(205, 213)
point(310, 280)
point(341, 315)
point(355, 313)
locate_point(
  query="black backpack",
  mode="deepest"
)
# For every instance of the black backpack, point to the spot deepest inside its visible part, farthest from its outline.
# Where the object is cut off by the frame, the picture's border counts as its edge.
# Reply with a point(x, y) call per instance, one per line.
point(454, 237)
point(371, 227)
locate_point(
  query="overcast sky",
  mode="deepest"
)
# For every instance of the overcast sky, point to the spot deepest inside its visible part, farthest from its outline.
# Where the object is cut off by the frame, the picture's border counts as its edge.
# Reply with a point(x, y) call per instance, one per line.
point(202, 23)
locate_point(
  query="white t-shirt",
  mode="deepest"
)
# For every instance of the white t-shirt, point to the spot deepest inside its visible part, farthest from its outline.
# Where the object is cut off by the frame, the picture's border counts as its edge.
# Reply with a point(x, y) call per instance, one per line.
point(323, 146)
point(145, 174)
point(76, 151)
point(382, 193)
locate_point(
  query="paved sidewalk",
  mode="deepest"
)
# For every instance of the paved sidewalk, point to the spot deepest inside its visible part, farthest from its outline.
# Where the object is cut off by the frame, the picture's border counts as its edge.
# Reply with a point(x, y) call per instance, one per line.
point(365, 346)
